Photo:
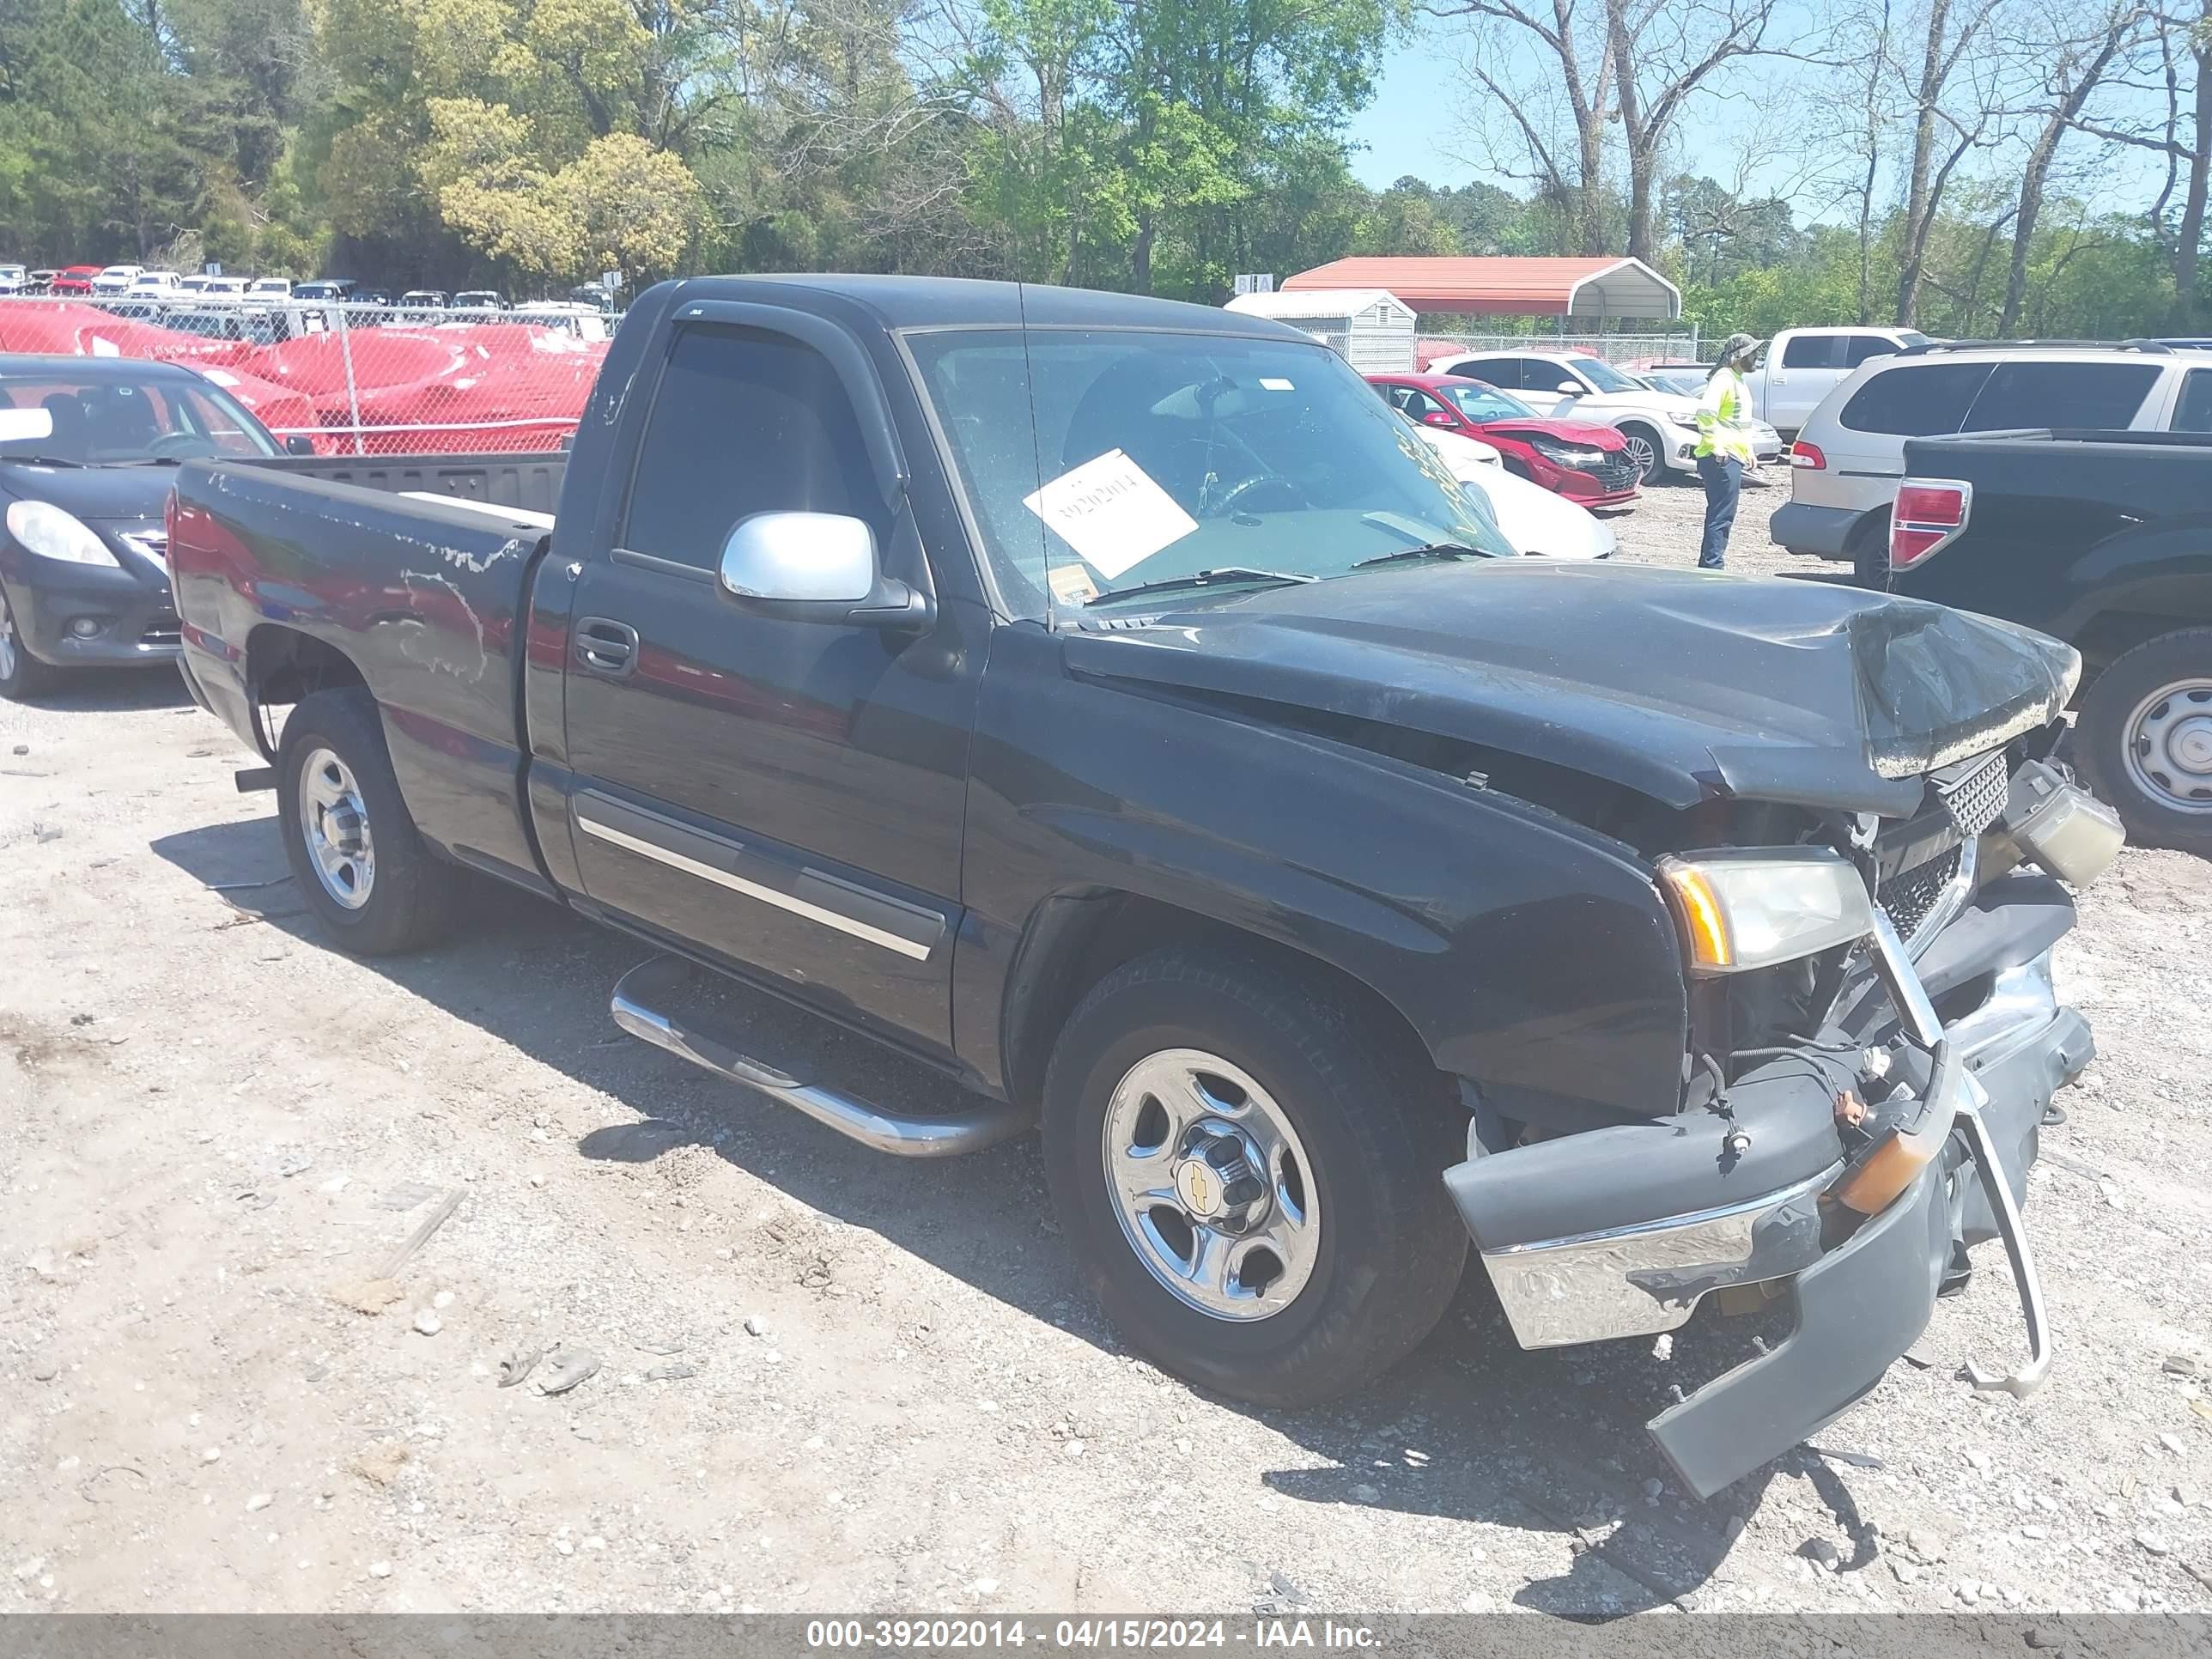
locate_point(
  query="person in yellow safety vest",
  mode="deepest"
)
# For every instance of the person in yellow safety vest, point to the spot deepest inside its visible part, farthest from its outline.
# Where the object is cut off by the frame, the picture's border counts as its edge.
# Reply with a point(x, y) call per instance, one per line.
point(1724, 445)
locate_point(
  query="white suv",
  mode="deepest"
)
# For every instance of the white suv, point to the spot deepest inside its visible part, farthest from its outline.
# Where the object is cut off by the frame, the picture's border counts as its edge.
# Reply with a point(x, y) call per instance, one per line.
point(1849, 456)
point(1659, 427)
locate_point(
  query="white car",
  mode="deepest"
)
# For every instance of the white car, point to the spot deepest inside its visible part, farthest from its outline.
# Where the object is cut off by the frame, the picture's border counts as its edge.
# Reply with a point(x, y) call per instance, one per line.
point(221, 290)
point(156, 284)
point(1659, 427)
point(1799, 366)
point(270, 288)
point(12, 279)
point(1536, 521)
point(115, 279)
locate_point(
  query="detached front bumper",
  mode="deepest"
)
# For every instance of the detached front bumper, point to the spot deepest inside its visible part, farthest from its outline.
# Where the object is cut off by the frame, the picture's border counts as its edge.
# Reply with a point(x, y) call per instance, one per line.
point(1637, 1265)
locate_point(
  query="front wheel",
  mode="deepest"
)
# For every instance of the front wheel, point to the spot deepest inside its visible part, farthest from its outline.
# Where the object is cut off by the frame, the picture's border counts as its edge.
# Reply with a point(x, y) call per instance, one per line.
point(1646, 452)
point(1251, 1176)
point(354, 849)
point(2145, 740)
point(21, 674)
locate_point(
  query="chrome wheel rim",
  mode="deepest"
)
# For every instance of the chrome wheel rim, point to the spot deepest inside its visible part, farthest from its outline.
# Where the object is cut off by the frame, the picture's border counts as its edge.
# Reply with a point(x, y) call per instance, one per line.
point(2169, 746)
point(6, 639)
point(1642, 451)
point(1210, 1185)
point(334, 822)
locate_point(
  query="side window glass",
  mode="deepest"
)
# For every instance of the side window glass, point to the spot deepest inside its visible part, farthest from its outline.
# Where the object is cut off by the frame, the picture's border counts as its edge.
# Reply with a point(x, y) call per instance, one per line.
point(2100, 396)
point(1918, 401)
point(743, 422)
point(2194, 411)
point(1419, 405)
point(1502, 372)
point(1811, 351)
point(1857, 348)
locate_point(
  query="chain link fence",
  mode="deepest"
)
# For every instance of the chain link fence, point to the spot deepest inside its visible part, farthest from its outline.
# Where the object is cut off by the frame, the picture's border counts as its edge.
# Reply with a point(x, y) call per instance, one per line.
point(1678, 346)
point(354, 379)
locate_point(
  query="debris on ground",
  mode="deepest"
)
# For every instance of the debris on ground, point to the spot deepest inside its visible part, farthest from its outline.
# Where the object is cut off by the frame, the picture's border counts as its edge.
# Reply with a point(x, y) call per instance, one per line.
point(565, 1368)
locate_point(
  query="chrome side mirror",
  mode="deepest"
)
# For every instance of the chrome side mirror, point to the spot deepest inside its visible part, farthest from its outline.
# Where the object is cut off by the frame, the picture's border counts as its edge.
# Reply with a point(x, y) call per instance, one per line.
point(800, 557)
point(818, 567)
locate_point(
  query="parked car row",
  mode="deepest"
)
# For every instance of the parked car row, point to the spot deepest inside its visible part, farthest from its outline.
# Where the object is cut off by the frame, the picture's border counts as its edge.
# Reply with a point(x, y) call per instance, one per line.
point(1657, 427)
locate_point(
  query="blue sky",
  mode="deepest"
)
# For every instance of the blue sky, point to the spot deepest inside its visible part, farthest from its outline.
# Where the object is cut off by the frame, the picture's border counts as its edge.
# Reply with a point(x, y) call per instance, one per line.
point(1412, 116)
point(1412, 127)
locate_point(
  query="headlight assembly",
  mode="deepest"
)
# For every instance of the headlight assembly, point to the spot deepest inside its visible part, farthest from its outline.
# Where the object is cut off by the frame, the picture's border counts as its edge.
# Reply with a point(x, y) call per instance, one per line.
point(1745, 908)
point(46, 529)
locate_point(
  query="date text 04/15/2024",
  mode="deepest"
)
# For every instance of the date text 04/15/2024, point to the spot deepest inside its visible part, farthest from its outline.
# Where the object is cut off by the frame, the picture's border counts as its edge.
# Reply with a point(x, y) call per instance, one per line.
point(831, 1635)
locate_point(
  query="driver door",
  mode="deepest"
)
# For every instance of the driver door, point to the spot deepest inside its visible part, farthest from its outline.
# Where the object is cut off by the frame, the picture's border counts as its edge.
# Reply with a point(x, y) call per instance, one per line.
point(784, 795)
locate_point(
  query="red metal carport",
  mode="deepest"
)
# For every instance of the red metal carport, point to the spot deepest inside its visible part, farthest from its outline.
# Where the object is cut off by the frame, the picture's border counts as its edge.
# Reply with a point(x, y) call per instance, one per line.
point(1599, 288)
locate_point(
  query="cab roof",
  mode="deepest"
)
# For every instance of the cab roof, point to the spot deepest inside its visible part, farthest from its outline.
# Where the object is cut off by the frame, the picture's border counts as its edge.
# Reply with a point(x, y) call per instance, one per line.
point(903, 302)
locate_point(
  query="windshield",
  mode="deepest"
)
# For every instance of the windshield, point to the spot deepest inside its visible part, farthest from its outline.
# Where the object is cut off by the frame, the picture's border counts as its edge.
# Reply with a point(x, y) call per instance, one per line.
point(105, 421)
point(1479, 402)
point(1602, 374)
point(1097, 461)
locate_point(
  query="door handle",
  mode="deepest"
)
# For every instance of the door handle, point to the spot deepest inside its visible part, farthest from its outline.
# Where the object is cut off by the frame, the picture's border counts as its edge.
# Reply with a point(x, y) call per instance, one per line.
point(606, 646)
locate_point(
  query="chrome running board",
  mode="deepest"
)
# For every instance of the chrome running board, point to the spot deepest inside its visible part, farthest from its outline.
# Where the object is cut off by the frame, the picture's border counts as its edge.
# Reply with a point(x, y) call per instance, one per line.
point(641, 997)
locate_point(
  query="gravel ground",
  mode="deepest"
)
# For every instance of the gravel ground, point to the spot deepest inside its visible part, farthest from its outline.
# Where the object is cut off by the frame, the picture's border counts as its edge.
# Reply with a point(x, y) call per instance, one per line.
point(834, 1381)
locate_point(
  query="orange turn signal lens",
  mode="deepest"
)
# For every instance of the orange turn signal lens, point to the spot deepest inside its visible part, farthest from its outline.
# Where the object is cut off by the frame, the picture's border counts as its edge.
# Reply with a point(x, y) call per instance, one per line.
point(1888, 1167)
point(1705, 925)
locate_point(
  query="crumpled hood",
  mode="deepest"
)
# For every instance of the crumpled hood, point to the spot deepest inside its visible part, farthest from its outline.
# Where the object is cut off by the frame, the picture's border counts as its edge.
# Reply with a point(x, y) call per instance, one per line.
point(1681, 685)
point(1567, 432)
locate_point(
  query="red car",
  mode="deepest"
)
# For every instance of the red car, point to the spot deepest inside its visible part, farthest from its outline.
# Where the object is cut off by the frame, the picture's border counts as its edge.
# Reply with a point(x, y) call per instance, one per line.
point(75, 279)
point(1586, 463)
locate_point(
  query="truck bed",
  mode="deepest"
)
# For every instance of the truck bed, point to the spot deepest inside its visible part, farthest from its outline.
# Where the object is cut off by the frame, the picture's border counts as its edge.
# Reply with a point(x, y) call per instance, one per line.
point(426, 598)
point(2043, 499)
point(531, 481)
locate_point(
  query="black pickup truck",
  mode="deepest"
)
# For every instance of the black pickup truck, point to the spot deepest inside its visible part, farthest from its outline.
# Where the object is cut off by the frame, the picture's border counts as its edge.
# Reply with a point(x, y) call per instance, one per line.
point(2104, 540)
point(1112, 703)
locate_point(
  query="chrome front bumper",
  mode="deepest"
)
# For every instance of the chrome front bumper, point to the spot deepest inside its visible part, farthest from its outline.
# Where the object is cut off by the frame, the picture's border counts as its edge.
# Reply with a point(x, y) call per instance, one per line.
point(1861, 1302)
point(1641, 1279)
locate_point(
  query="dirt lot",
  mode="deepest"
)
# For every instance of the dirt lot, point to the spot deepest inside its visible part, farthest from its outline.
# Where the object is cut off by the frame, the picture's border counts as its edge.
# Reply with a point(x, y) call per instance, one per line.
point(834, 1381)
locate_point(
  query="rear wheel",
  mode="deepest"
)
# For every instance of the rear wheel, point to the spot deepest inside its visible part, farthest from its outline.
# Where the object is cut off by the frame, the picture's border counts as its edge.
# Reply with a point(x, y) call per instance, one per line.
point(1250, 1176)
point(2145, 740)
point(21, 674)
point(1646, 451)
point(355, 855)
point(1869, 552)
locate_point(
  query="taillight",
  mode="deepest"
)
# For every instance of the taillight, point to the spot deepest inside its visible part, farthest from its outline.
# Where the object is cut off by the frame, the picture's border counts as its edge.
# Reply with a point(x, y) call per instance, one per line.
point(1806, 455)
point(1929, 514)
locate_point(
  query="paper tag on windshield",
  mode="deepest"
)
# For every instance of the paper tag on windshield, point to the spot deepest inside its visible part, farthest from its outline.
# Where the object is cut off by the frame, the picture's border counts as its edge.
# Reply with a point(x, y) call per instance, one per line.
point(1110, 510)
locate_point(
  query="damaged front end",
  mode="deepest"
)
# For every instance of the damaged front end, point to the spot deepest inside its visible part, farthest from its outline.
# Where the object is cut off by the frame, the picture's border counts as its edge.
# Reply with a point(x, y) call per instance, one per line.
point(1874, 1040)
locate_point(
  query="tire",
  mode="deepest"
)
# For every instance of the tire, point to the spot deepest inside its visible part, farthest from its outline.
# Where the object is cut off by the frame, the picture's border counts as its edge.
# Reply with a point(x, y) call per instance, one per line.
point(1648, 449)
point(21, 674)
point(2144, 739)
point(392, 893)
point(1371, 1133)
point(1867, 550)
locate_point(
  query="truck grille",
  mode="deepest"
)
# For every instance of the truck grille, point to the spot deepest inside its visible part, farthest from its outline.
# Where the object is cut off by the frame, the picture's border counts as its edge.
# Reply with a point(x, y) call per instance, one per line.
point(1976, 797)
point(1907, 896)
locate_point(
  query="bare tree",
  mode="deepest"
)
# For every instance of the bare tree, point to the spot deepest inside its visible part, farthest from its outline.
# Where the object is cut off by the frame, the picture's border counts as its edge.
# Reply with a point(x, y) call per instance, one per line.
point(2182, 43)
point(1663, 53)
point(2075, 67)
point(1555, 119)
point(1955, 101)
